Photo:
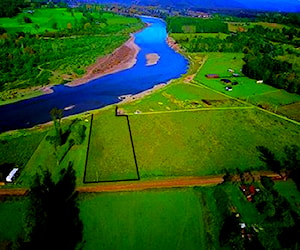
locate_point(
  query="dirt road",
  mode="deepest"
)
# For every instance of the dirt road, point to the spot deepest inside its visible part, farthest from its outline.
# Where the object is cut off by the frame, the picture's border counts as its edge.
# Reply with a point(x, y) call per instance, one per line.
point(132, 185)
point(124, 186)
point(152, 184)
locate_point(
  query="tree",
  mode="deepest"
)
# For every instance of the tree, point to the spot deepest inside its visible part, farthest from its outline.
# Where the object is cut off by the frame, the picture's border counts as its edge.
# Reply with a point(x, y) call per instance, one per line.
point(56, 115)
point(78, 133)
point(53, 220)
point(269, 158)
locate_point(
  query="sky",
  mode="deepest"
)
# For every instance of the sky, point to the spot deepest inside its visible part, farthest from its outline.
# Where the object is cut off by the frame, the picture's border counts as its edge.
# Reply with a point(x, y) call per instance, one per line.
point(276, 5)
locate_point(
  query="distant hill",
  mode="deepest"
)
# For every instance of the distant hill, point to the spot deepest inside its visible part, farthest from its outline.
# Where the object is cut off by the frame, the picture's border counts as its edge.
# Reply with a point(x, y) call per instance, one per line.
point(270, 5)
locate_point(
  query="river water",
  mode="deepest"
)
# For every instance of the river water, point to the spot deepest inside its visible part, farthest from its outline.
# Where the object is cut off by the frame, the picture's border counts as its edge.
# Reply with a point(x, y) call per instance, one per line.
point(105, 90)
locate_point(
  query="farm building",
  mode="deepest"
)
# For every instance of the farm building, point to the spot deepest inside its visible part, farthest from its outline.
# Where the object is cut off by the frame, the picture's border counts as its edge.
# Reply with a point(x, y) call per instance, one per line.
point(212, 76)
point(260, 81)
point(230, 70)
point(235, 75)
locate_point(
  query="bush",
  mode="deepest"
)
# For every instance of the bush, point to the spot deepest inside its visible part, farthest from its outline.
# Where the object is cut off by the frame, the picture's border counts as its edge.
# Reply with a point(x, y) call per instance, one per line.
point(27, 19)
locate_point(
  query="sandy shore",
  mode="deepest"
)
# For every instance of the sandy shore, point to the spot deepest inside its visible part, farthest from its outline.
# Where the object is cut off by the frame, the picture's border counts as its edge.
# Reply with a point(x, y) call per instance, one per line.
point(173, 44)
point(152, 59)
point(122, 58)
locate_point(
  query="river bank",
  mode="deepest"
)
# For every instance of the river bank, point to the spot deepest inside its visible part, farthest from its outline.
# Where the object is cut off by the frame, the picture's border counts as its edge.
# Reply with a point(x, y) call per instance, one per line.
point(124, 57)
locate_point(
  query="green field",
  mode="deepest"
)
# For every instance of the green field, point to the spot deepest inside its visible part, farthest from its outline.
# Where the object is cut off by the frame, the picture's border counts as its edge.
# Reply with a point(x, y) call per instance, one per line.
point(206, 142)
point(110, 154)
point(44, 20)
point(180, 96)
point(247, 89)
point(143, 220)
point(186, 142)
point(12, 217)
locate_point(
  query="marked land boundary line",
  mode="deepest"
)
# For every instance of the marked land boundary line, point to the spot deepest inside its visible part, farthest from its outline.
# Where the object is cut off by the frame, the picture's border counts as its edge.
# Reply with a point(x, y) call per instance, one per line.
point(266, 93)
point(189, 110)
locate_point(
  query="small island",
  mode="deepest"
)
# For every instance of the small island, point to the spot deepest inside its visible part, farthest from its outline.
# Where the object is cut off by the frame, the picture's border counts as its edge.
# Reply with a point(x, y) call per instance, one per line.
point(152, 59)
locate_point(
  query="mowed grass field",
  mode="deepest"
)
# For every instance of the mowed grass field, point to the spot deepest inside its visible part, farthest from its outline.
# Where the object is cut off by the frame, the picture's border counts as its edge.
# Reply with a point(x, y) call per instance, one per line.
point(206, 142)
point(110, 156)
point(171, 219)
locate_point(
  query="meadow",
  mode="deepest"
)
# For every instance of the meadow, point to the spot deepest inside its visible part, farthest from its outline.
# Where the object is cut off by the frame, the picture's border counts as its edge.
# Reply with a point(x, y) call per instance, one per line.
point(12, 218)
point(163, 219)
point(178, 96)
point(110, 155)
point(247, 89)
point(48, 19)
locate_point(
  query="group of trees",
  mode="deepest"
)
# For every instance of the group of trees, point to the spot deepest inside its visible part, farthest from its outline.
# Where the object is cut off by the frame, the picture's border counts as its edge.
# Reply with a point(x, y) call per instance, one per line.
point(64, 138)
point(53, 220)
point(277, 215)
point(286, 166)
point(10, 8)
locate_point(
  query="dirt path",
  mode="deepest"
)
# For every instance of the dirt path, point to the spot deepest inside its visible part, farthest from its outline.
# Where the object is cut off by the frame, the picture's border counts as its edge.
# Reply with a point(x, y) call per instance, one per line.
point(132, 185)
point(128, 186)
point(152, 184)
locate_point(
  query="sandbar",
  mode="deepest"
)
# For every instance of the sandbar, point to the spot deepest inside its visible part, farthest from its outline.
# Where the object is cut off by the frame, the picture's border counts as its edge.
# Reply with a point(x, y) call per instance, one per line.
point(152, 59)
point(124, 57)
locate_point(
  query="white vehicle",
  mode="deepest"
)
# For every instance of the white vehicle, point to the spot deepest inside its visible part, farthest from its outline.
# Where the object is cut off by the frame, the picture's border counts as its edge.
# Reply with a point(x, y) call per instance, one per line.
point(11, 175)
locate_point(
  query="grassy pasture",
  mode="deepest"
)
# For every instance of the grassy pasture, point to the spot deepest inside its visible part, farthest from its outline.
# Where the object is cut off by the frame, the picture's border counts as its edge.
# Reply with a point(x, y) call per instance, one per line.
point(110, 154)
point(143, 220)
point(206, 142)
point(44, 157)
point(247, 89)
point(180, 96)
point(12, 216)
point(46, 18)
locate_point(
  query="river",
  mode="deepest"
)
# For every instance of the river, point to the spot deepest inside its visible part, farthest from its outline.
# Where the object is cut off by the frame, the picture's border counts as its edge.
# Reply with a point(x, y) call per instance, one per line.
point(105, 90)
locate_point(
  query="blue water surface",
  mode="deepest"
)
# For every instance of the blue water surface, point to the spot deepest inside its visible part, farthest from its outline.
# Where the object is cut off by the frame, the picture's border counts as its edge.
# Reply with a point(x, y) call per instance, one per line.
point(105, 90)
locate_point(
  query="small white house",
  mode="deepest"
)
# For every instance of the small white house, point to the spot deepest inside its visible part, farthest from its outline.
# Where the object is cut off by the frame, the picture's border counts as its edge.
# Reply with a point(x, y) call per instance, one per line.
point(260, 81)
